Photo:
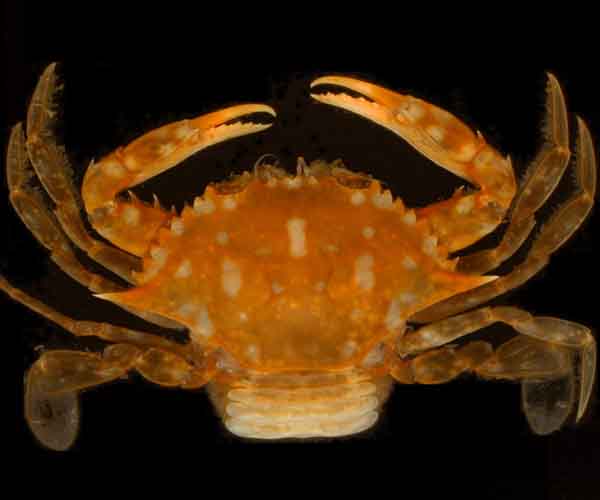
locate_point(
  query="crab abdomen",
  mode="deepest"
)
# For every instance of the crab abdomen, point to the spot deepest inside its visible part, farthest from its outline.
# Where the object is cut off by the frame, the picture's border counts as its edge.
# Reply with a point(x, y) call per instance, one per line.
point(300, 405)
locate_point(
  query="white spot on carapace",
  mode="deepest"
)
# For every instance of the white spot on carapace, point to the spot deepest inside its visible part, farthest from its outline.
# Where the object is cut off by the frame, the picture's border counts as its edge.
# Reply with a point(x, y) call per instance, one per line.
point(203, 326)
point(349, 348)
point(231, 277)
point(293, 182)
point(177, 227)
point(187, 309)
point(276, 287)
point(393, 317)
point(203, 207)
point(368, 232)
point(409, 217)
point(184, 270)
point(363, 272)
point(159, 255)
point(243, 317)
point(357, 198)
point(222, 238)
point(131, 215)
point(383, 200)
point(229, 203)
point(465, 205)
point(114, 169)
point(436, 132)
point(429, 246)
point(320, 286)
point(297, 235)
point(408, 263)
point(252, 352)
point(374, 357)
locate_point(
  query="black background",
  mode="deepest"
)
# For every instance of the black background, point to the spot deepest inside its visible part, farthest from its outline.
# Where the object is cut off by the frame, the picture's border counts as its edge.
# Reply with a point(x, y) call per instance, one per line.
point(122, 79)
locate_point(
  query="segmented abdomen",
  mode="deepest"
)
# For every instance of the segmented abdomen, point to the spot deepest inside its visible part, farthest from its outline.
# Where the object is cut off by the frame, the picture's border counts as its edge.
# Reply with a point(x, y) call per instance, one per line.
point(300, 405)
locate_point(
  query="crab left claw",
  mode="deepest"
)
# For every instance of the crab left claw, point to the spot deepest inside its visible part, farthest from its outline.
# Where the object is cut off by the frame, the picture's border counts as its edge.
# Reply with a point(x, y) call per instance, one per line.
point(162, 149)
point(131, 224)
point(446, 141)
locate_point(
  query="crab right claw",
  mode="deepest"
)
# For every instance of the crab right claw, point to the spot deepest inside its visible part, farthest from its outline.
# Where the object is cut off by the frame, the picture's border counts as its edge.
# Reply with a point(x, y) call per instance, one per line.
point(435, 133)
point(146, 157)
point(446, 141)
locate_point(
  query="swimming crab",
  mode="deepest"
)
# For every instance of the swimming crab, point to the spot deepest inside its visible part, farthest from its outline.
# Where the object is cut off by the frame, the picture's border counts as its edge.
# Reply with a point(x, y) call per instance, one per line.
point(296, 290)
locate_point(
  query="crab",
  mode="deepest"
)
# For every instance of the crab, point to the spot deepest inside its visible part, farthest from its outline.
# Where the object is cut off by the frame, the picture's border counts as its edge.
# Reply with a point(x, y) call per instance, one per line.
point(306, 297)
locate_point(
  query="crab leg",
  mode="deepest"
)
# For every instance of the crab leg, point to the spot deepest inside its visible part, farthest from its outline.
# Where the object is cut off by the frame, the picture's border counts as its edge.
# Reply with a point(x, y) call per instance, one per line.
point(446, 141)
point(553, 234)
point(105, 331)
point(54, 380)
point(128, 225)
point(53, 170)
point(52, 384)
point(545, 371)
point(33, 210)
point(548, 382)
point(557, 332)
point(543, 176)
point(438, 366)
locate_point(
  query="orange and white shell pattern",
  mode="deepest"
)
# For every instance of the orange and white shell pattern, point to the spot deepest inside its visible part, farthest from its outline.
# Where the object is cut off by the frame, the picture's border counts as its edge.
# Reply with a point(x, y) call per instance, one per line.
point(296, 289)
point(291, 273)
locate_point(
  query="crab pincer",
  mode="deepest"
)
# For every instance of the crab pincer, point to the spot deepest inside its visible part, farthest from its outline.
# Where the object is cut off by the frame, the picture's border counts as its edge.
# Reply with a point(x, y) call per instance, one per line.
point(448, 142)
point(131, 224)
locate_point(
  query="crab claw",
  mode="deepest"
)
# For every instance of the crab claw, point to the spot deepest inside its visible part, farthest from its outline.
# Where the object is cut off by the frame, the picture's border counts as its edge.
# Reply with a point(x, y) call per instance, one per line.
point(162, 149)
point(435, 133)
point(379, 109)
